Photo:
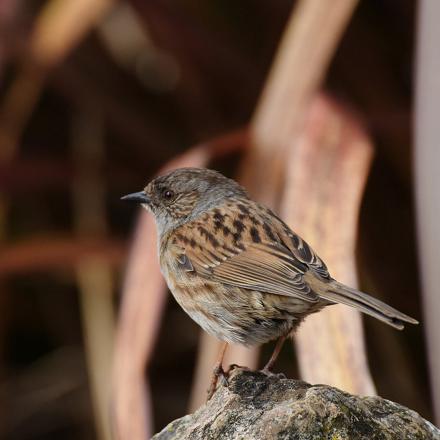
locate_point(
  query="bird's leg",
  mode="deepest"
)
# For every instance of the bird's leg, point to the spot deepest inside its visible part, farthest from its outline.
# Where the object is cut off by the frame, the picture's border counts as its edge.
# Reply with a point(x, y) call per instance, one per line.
point(268, 367)
point(218, 371)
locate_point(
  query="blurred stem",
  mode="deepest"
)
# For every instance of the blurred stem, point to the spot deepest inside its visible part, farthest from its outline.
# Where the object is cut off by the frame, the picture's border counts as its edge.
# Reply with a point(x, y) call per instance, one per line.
point(61, 25)
point(327, 171)
point(427, 160)
point(17, 106)
point(58, 28)
point(304, 53)
point(94, 275)
point(95, 283)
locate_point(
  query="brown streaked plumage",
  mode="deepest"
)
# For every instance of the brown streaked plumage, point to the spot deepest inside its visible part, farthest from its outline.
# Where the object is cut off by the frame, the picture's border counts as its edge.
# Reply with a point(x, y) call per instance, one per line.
point(236, 268)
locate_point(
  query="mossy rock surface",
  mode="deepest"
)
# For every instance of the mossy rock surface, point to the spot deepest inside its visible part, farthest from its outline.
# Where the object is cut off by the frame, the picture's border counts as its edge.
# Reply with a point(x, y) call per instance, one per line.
point(255, 406)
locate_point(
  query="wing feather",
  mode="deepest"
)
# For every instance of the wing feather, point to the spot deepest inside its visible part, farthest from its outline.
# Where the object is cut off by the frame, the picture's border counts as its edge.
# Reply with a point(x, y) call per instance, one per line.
point(255, 268)
point(226, 246)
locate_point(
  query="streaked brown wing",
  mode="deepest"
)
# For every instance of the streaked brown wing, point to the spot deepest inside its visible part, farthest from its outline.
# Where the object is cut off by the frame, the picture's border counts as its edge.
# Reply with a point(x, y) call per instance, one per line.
point(262, 267)
point(301, 250)
point(241, 251)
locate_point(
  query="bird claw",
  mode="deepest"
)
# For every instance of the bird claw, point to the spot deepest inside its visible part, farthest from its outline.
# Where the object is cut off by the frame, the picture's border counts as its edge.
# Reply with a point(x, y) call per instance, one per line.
point(269, 373)
point(234, 366)
point(224, 379)
point(218, 373)
point(222, 375)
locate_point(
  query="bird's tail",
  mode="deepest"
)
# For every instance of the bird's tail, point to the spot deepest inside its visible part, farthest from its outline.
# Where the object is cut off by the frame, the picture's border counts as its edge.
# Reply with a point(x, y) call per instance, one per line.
point(340, 293)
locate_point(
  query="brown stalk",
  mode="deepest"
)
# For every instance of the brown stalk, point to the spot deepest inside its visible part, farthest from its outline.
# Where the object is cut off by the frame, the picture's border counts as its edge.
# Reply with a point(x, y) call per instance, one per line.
point(428, 181)
point(47, 253)
point(143, 297)
point(327, 170)
point(307, 46)
point(58, 29)
point(61, 25)
point(93, 274)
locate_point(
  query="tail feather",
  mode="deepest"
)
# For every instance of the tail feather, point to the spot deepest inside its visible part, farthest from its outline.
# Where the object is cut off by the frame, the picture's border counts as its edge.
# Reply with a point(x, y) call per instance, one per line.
point(340, 293)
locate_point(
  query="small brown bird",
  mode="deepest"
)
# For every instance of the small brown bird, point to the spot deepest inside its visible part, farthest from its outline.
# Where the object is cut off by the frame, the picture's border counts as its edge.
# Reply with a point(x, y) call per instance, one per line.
point(236, 268)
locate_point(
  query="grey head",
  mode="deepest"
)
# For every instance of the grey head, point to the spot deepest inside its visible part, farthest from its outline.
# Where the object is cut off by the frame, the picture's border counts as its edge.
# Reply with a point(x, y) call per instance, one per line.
point(183, 194)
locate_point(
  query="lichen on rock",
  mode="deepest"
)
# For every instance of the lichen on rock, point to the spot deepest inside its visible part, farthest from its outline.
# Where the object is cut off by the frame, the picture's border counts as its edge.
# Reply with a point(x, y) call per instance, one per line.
point(257, 406)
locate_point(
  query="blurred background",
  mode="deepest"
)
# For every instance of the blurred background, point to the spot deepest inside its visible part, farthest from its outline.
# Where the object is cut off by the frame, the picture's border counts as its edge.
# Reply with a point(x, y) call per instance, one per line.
point(96, 96)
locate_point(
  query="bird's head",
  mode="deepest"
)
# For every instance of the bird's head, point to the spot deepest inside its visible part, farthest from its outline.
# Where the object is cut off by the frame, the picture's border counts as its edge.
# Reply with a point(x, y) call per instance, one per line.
point(183, 194)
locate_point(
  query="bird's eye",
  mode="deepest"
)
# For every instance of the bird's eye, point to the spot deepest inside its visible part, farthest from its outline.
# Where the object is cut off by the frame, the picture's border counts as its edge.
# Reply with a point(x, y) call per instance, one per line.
point(168, 195)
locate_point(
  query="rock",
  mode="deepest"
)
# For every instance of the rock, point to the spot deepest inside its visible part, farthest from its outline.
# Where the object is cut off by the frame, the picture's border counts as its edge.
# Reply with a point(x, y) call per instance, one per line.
point(256, 406)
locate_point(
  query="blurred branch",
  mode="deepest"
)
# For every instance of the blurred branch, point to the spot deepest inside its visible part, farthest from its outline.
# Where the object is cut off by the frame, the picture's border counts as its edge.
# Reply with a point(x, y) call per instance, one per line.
point(143, 298)
point(427, 158)
point(327, 170)
point(17, 107)
point(9, 12)
point(309, 42)
point(48, 253)
point(95, 284)
point(59, 27)
point(94, 275)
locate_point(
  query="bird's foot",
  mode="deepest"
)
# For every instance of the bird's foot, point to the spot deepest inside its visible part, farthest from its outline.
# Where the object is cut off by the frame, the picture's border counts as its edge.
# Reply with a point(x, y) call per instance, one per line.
point(234, 366)
point(268, 372)
point(217, 374)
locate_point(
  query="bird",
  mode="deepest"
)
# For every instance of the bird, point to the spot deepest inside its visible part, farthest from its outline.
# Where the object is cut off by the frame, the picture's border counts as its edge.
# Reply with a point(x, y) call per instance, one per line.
point(236, 268)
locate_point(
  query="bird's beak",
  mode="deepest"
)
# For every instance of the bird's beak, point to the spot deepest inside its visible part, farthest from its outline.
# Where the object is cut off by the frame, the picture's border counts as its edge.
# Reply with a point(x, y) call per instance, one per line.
point(138, 197)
